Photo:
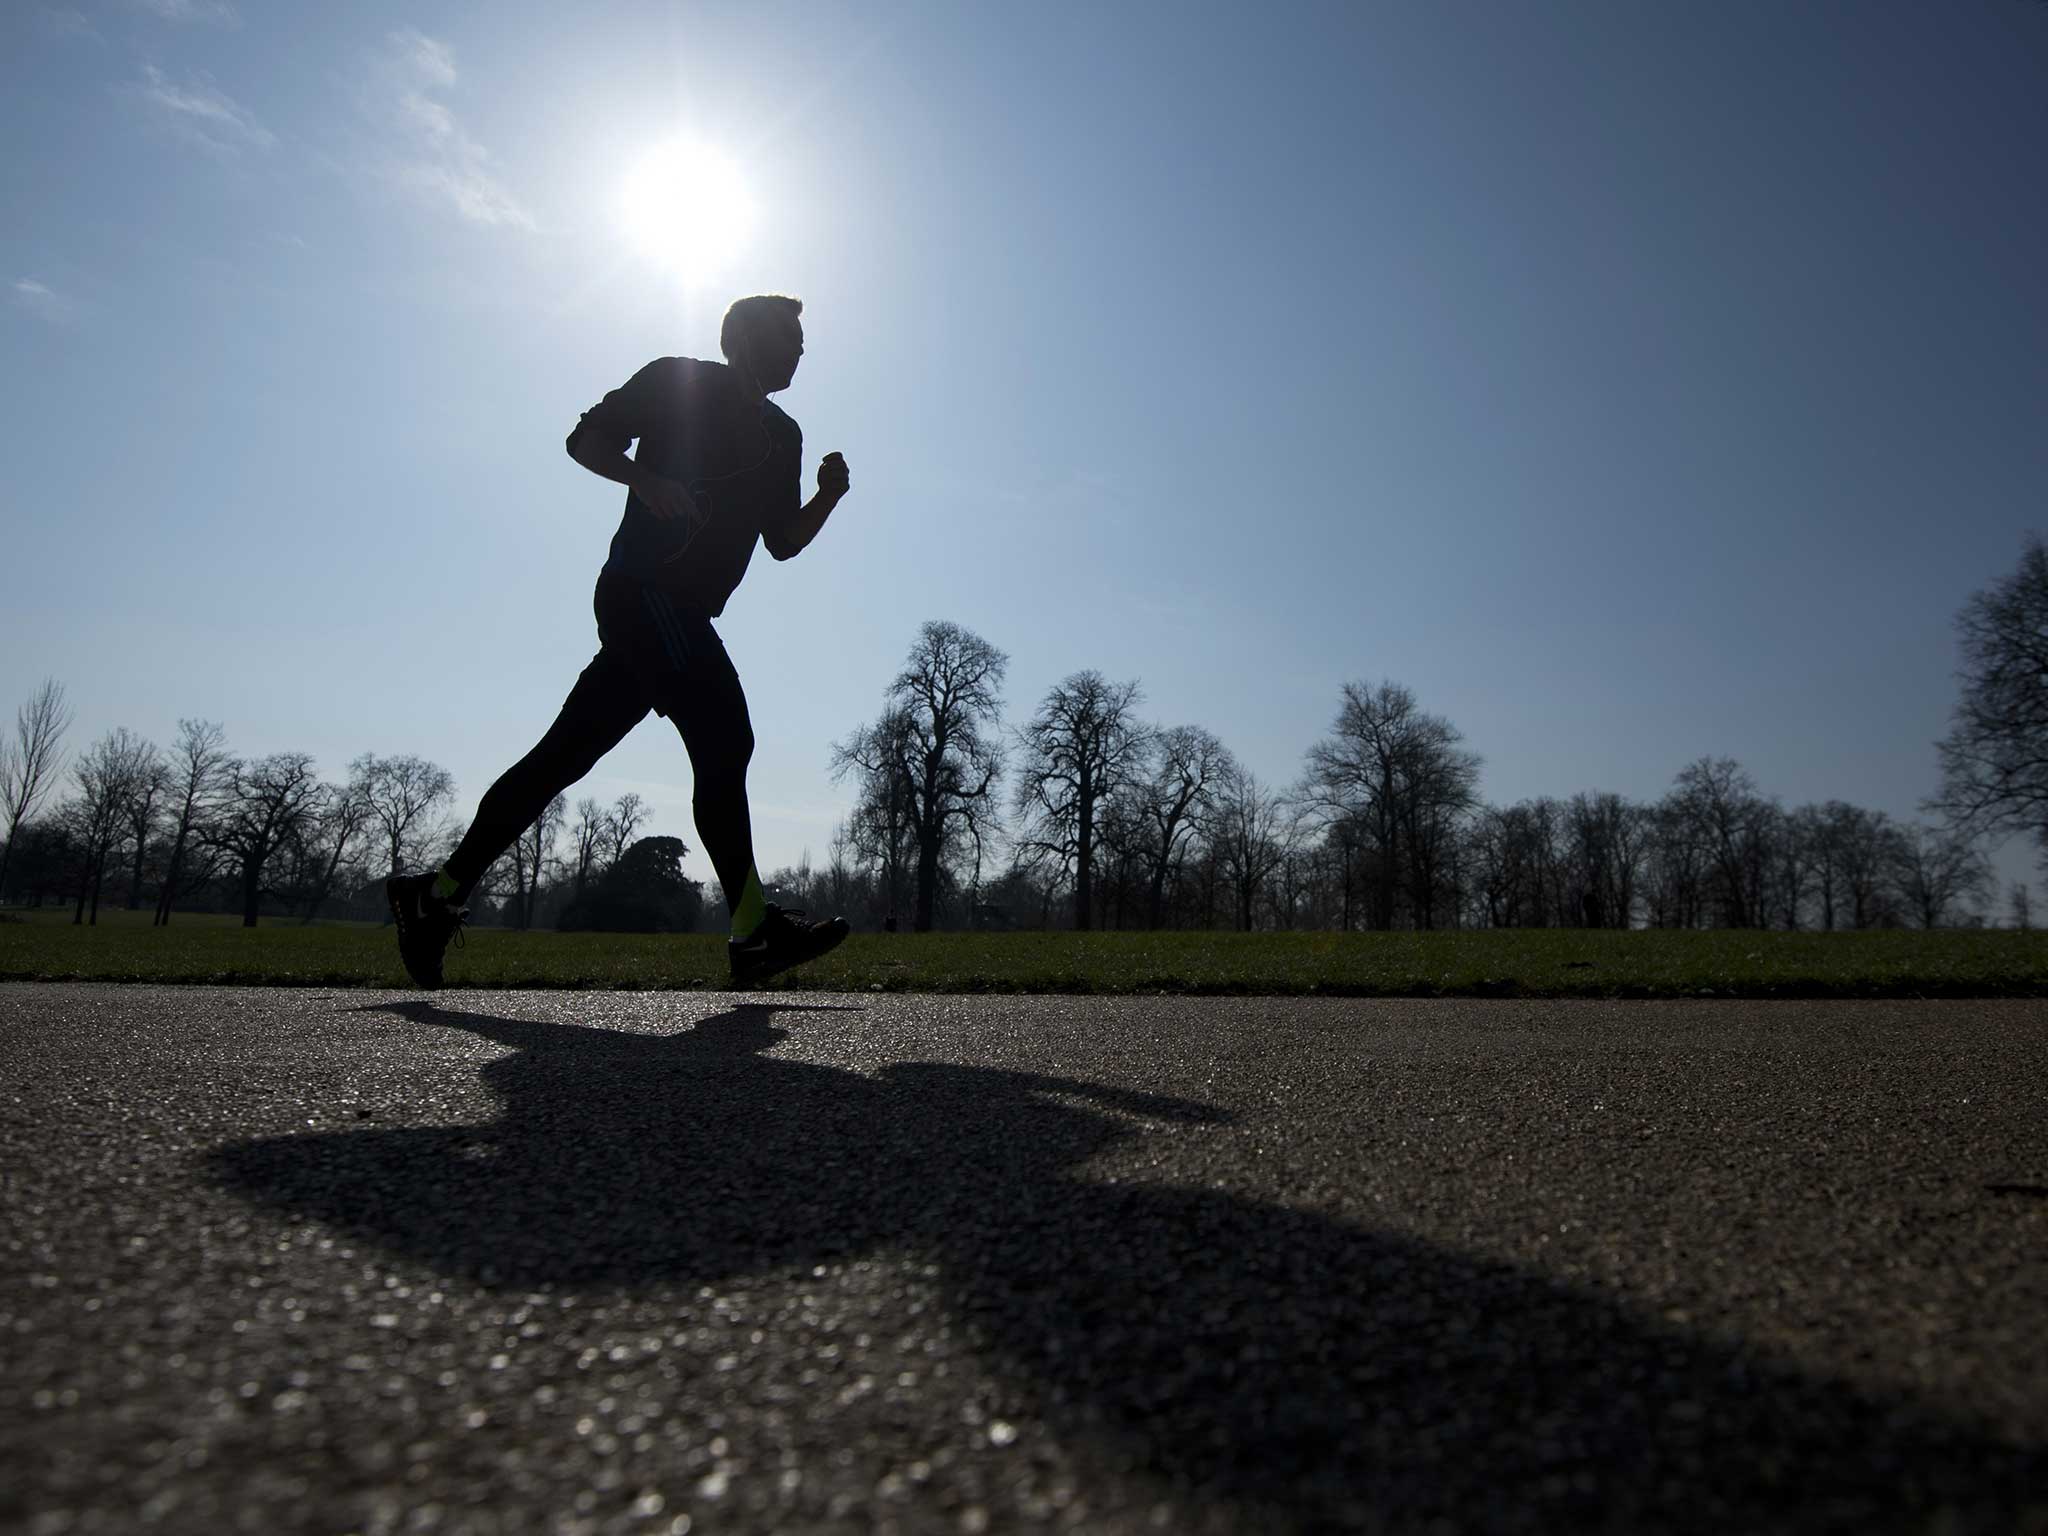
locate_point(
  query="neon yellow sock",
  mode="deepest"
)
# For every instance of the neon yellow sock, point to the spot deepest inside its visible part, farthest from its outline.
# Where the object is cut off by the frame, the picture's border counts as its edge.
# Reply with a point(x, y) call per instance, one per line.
point(753, 908)
point(445, 885)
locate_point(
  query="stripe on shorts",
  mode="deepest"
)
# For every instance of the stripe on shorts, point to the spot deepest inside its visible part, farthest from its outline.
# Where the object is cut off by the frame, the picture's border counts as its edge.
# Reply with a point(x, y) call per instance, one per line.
point(670, 627)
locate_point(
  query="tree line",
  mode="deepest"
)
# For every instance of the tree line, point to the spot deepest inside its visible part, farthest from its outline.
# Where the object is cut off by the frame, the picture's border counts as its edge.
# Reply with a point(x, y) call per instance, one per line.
point(196, 827)
point(1088, 815)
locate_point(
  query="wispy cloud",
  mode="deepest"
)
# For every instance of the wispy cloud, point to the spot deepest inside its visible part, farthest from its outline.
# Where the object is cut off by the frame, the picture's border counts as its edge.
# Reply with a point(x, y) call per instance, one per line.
point(432, 154)
point(429, 60)
point(204, 113)
point(40, 300)
point(64, 21)
point(216, 12)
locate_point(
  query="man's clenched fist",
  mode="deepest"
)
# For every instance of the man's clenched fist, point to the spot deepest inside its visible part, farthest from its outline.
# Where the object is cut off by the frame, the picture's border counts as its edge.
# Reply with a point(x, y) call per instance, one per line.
point(833, 479)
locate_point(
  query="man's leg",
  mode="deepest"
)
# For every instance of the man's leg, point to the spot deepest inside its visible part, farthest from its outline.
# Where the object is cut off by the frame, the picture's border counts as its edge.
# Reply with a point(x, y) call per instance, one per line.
point(710, 712)
point(604, 705)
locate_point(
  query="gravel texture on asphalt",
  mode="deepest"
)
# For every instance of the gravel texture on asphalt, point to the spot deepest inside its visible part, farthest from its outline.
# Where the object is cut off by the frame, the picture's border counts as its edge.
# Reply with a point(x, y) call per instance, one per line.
point(541, 1262)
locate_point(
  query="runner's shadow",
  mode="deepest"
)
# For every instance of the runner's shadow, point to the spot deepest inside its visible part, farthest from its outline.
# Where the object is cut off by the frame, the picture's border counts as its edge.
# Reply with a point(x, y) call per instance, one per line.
point(1319, 1373)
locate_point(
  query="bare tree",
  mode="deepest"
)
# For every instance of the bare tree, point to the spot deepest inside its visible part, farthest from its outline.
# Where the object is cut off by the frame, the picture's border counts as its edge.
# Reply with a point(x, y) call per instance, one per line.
point(1441, 790)
point(1865, 849)
point(839, 878)
point(1824, 875)
point(403, 794)
point(29, 762)
point(948, 757)
point(267, 802)
point(1994, 760)
point(200, 768)
point(532, 855)
point(1609, 839)
point(879, 830)
point(628, 813)
point(1082, 747)
point(588, 833)
point(1514, 859)
point(1675, 880)
point(1250, 834)
point(1398, 776)
point(1122, 841)
point(333, 825)
point(106, 778)
point(1172, 801)
point(1725, 816)
point(1941, 873)
point(2021, 905)
point(147, 790)
point(1792, 867)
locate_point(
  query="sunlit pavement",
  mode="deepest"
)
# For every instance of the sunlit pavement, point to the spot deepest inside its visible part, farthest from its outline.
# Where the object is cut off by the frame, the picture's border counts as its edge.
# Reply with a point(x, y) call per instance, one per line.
point(341, 1261)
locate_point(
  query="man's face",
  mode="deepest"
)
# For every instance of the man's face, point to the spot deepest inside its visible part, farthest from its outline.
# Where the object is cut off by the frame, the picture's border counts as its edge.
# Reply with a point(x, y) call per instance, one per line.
point(774, 349)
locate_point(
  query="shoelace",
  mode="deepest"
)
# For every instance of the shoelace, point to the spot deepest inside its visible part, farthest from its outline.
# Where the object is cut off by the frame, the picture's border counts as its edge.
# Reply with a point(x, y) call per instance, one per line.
point(456, 915)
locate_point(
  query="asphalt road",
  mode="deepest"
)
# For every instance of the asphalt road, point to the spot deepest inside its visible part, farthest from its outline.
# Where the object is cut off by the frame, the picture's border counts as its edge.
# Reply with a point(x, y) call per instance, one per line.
point(278, 1261)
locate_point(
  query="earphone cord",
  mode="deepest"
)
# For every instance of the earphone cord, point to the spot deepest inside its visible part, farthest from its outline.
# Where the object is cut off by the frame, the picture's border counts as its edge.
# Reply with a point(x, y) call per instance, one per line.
point(697, 527)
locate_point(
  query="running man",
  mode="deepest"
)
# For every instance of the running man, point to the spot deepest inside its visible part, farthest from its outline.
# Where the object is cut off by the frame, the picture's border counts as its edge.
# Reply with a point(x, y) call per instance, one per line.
point(719, 467)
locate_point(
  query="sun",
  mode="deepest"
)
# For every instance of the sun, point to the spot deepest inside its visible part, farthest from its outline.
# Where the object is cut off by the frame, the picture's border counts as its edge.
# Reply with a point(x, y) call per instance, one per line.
point(686, 209)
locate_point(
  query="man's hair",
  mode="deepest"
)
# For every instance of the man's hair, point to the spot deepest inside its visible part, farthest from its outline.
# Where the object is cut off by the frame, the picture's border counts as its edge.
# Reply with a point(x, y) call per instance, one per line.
point(747, 314)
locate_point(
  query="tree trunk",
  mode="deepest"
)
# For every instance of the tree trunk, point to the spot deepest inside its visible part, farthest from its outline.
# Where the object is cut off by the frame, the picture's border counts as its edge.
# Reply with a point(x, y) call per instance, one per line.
point(168, 891)
point(99, 880)
point(84, 888)
point(927, 882)
point(1084, 866)
point(326, 884)
point(252, 891)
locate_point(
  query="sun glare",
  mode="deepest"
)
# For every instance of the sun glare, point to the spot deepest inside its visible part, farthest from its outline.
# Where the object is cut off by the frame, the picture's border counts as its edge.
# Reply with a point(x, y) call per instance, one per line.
point(687, 209)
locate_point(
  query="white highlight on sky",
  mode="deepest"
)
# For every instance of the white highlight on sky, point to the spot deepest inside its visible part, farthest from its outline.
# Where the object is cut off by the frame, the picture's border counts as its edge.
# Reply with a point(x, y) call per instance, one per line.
point(205, 112)
point(687, 210)
point(63, 21)
point(217, 11)
point(436, 157)
point(40, 299)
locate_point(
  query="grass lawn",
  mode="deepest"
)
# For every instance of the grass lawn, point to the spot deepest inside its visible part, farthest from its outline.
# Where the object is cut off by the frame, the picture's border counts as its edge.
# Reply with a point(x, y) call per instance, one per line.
point(1516, 963)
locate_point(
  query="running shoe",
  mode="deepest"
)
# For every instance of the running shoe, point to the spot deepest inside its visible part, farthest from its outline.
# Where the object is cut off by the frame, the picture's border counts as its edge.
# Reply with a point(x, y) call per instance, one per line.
point(785, 938)
point(425, 922)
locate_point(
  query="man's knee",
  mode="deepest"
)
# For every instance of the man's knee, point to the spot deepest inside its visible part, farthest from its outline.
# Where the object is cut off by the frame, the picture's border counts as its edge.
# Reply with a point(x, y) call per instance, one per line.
point(722, 764)
point(739, 752)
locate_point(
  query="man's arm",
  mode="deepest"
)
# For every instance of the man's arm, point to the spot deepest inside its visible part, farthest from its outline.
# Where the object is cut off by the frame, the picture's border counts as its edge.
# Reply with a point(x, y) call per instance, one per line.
point(604, 432)
point(663, 497)
point(834, 480)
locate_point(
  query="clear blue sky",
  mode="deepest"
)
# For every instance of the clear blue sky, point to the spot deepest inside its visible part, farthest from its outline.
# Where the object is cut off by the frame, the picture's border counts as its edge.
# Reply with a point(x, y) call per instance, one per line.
point(1632, 381)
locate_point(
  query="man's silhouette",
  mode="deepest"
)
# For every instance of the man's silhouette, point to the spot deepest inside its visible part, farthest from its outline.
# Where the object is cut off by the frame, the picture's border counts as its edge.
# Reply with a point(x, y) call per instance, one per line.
point(719, 467)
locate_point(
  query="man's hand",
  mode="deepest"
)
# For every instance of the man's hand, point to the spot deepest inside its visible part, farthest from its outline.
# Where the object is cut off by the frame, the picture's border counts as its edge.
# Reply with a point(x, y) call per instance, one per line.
point(833, 478)
point(666, 499)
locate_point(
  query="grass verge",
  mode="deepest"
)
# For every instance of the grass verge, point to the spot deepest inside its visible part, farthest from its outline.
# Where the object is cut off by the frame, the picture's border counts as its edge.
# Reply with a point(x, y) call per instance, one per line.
point(1516, 963)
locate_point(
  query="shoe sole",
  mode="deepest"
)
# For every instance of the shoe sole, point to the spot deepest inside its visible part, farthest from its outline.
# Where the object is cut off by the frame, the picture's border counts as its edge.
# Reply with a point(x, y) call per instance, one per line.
point(753, 977)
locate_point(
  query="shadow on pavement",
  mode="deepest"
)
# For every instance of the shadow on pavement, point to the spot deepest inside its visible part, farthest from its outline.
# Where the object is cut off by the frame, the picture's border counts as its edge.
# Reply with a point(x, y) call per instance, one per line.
point(1331, 1375)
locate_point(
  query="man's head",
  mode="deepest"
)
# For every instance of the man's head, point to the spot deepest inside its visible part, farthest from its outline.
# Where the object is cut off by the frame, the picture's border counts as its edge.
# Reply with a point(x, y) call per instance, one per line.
point(763, 338)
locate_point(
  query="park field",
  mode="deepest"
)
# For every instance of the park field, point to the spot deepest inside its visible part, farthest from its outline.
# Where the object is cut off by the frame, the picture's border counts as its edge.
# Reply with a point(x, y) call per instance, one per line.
point(45, 946)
